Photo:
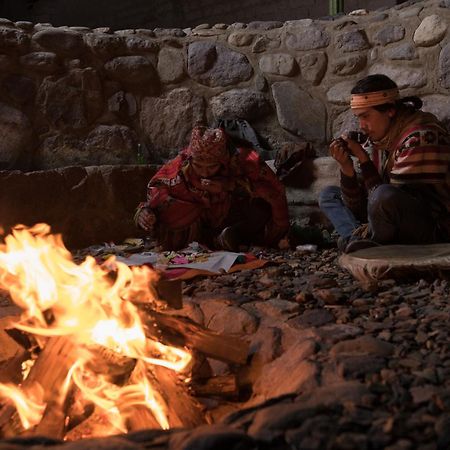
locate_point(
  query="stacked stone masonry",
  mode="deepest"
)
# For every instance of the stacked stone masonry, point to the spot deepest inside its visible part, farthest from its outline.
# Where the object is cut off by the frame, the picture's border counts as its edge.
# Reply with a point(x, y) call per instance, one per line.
point(81, 96)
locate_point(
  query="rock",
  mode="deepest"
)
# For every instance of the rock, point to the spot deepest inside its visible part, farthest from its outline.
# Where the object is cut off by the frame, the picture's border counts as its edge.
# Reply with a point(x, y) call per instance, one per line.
point(389, 34)
point(115, 144)
point(311, 318)
point(167, 121)
point(290, 101)
point(7, 63)
point(403, 77)
point(278, 64)
point(405, 51)
point(332, 333)
point(73, 101)
point(228, 319)
point(363, 345)
point(11, 39)
point(265, 43)
point(444, 67)
point(265, 346)
point(137, 44)
point(215, 65)
point(357, 366)
point(20, 89)
point(422, 394)
point(442, 428)
point(345, 122)
point(306, 38)
point(240, 39)
point(170, 65)
point(73, 208)
point(276, 309)
point(336, 394)
point(351, 41)
point(60, 41)
point(16, 143)
point(313, 67)
point(105, 45)
point(289, 373)
point(340, 93)
point(104, 145)
point(264, 25)
point(431, 30)
point(243, 103)
point(134, 70)
point(44, 62)
point(122, 103)
point(331, 296)
point(438, 105)
point(272, 422)
point(349, 65)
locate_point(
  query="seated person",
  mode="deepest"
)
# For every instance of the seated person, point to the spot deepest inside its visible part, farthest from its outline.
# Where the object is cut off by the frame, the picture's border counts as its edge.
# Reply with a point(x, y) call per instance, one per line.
point(218, 197)
point(404, 190)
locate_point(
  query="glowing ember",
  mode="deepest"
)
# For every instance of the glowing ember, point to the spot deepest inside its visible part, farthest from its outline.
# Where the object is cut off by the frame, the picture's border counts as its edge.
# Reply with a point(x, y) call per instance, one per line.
point(89, 307)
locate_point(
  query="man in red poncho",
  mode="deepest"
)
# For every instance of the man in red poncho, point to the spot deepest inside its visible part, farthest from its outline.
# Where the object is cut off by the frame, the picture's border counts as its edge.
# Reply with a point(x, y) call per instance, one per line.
point(214, 196)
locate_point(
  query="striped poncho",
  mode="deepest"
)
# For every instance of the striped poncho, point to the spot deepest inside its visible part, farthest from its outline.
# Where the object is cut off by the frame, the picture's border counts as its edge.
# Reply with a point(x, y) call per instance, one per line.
point(415, 152)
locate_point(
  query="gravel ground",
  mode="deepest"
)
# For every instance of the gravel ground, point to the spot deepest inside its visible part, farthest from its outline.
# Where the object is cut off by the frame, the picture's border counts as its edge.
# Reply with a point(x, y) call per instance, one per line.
point(332, 366)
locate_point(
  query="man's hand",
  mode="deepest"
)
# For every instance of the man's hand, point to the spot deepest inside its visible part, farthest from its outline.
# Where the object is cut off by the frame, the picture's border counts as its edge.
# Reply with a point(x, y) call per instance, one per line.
point(341, 153)
point(356, 149)
point(146, 219)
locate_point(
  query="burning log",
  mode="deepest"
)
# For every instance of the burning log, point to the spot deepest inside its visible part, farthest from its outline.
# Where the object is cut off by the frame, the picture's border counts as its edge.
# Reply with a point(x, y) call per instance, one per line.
point(12, 353)
point(185, 411)
point(220, 386)
point(109, 369)
point(49, 374)
point(182, 331)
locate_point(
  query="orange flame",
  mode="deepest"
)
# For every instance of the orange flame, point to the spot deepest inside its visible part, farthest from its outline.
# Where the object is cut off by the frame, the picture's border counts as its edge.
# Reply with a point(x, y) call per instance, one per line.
point(90, 307)
point(29, 405)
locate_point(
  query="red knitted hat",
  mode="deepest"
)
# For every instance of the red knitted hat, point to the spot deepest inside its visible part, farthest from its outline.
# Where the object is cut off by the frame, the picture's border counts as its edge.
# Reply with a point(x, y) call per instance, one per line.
point(208, 144)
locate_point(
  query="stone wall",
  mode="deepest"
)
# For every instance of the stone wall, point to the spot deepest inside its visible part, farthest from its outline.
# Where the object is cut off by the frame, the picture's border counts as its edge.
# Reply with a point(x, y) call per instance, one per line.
point(120, 14)
point(81, 96)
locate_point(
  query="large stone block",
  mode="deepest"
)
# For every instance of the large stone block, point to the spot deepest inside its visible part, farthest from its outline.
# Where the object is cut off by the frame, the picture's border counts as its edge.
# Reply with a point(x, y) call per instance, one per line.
point(167, 121)
point(15, 129)
point(299, 112)
point(90, 204)
point(216, 65)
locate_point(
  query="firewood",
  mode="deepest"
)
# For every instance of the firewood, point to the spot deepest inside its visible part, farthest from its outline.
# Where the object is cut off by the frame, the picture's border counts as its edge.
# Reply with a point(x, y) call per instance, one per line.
point(141, 418)
point(9, 348)
point(182, 331)
point(115, 366)
point(220, 386)
point(49, 371)
point(185, 411)
point(11, 369)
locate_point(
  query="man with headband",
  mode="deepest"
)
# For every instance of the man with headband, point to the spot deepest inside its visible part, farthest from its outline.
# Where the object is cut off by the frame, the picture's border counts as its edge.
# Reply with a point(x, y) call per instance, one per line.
point(218, 197)
point(403, 192)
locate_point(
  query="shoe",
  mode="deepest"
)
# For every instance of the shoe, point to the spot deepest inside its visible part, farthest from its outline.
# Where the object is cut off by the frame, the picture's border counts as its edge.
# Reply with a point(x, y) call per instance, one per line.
point(359, 244)
point(228, 240)
point(342, 243)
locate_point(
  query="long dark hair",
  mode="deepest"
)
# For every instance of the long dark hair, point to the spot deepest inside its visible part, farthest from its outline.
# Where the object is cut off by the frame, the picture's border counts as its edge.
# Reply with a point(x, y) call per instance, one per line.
point(380, 82)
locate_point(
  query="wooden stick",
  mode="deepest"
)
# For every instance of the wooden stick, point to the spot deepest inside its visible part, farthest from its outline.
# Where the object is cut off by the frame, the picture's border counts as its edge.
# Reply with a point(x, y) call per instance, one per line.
point(220, 386)
point(182, 331)
point(49, 371)
point(184, 410)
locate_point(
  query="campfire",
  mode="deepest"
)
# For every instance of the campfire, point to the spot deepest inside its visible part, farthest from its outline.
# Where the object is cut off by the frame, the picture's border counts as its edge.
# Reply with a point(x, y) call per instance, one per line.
point(99, 353)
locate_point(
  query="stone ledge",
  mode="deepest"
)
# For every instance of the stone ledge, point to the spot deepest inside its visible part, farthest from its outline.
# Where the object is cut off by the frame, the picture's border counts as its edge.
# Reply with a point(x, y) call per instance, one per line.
point(86, 205)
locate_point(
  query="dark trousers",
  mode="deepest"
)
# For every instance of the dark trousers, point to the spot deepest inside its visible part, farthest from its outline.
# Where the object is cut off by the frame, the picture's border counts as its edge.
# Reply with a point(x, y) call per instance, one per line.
point(248, 217)
point(398, 215)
